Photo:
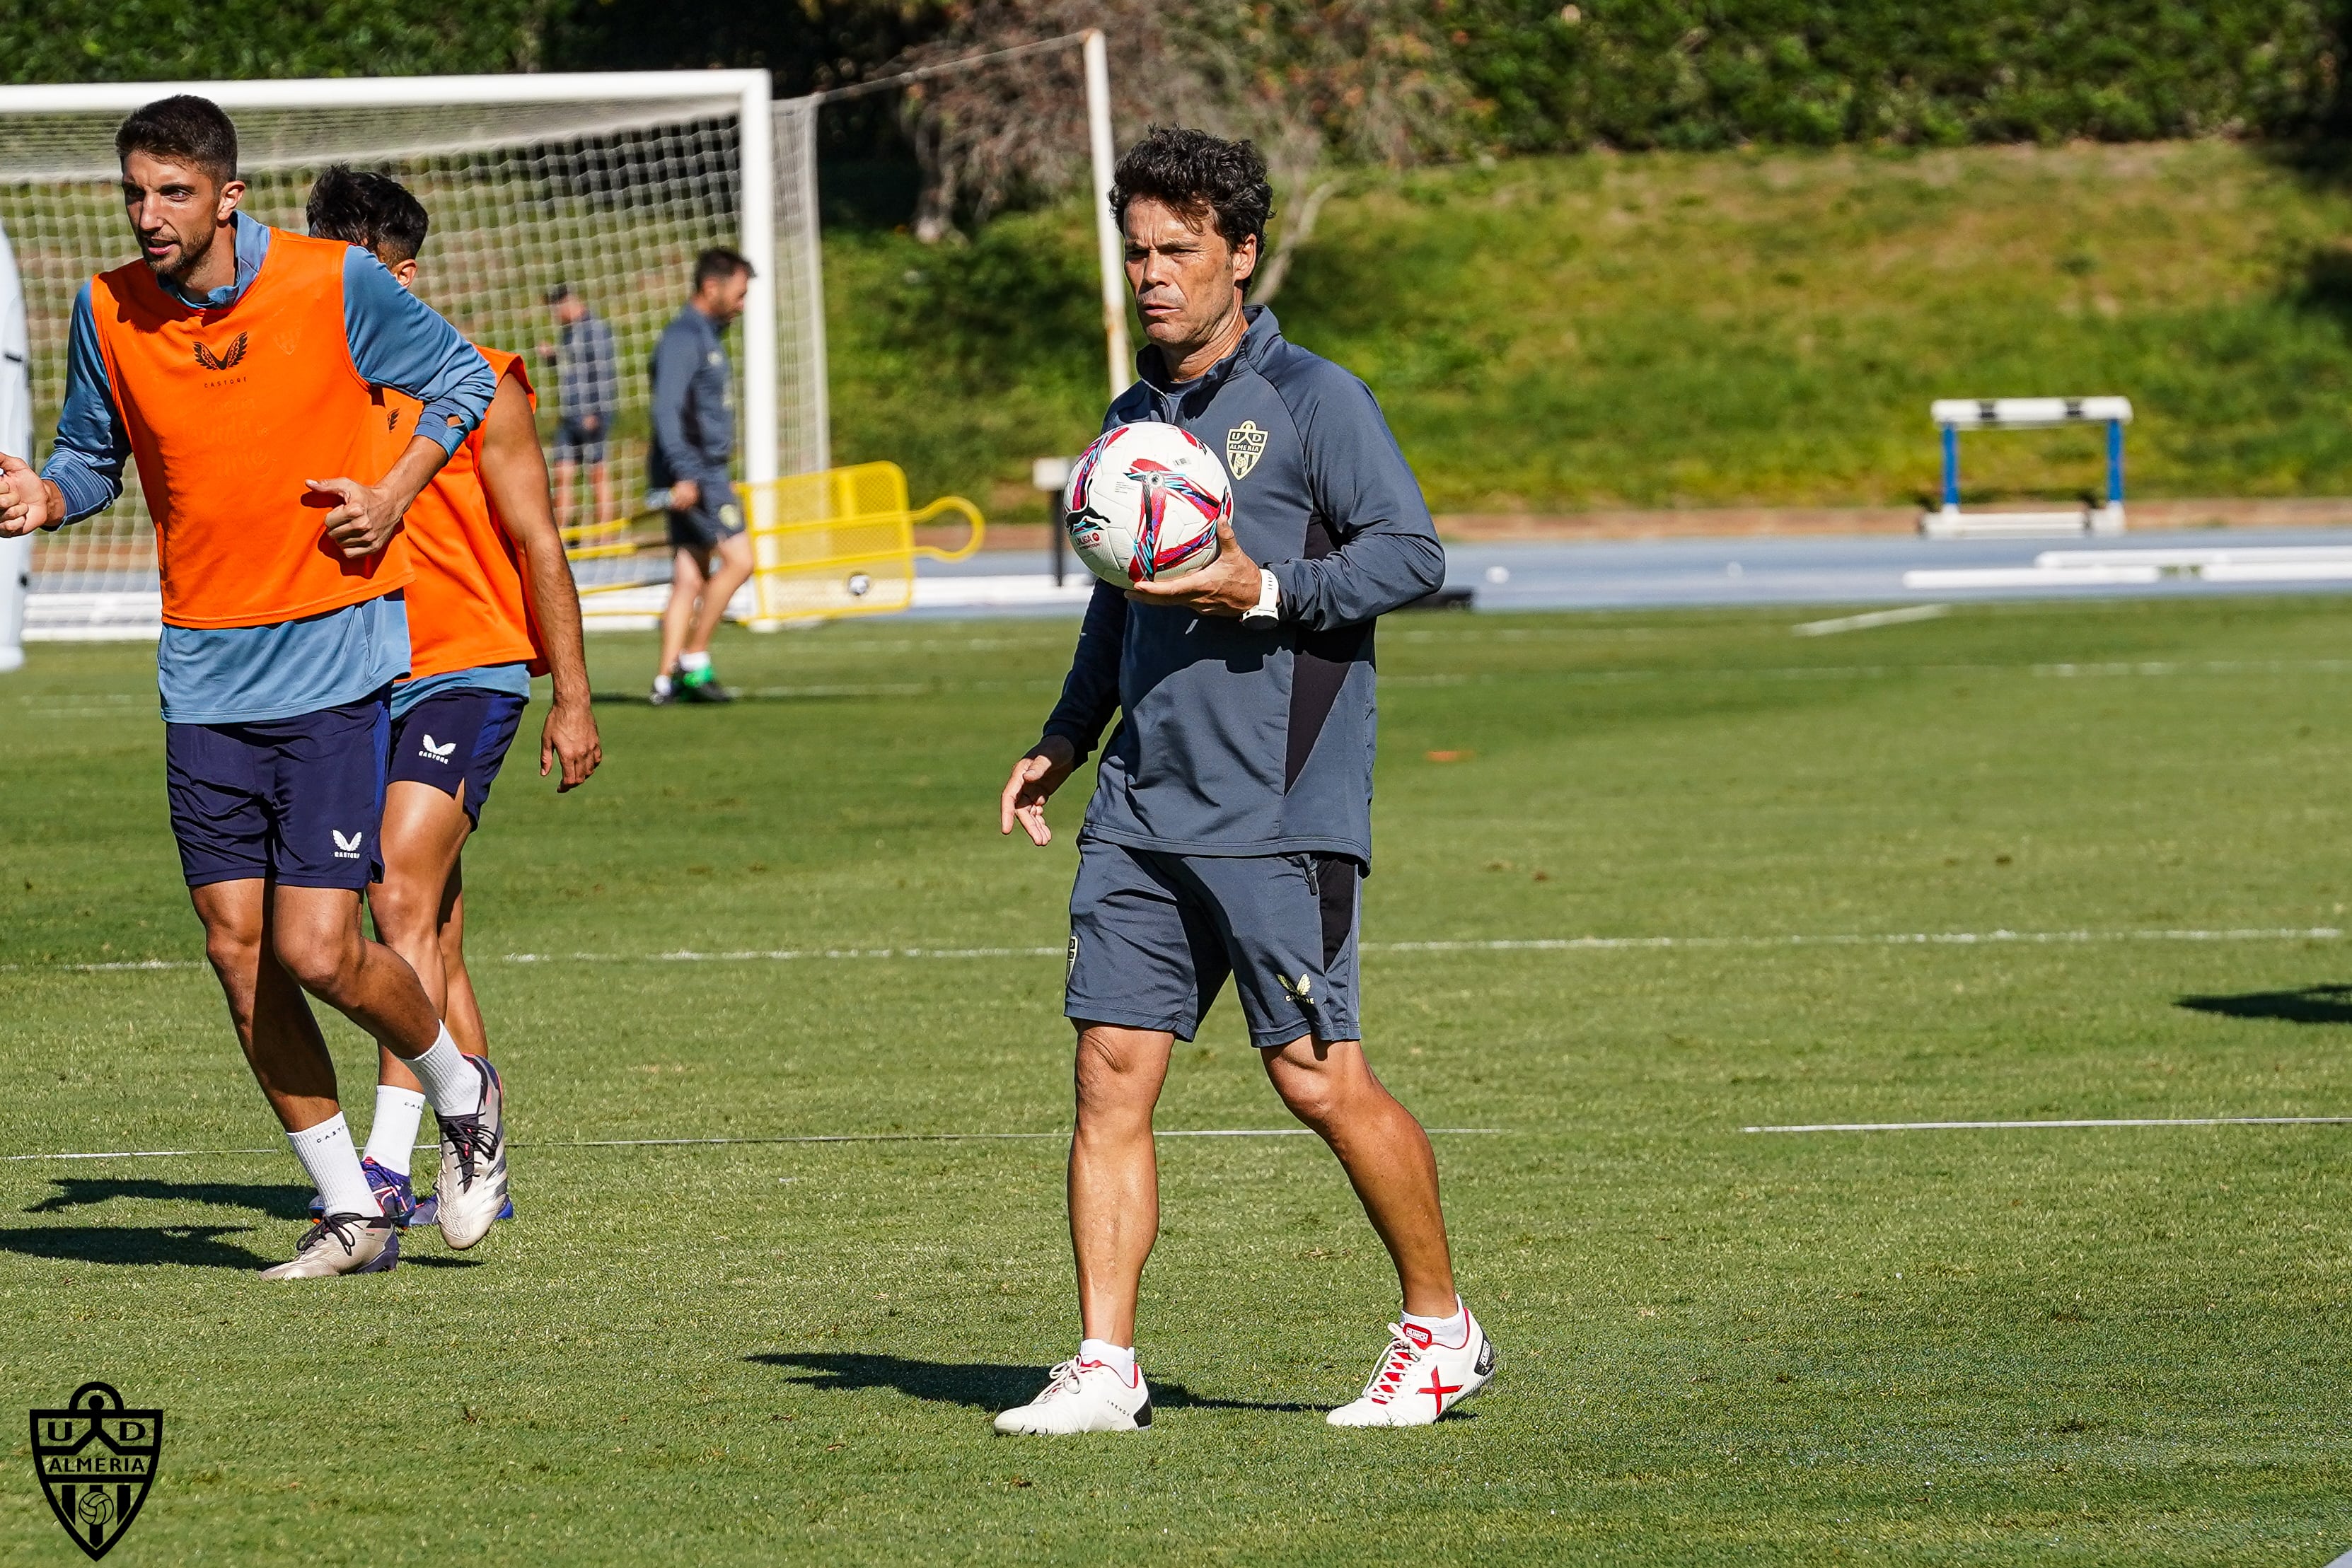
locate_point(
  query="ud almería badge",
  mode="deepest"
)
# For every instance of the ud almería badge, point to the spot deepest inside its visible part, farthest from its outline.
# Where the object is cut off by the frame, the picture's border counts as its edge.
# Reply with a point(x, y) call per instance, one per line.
point(1244, 445)
point(96, 1461)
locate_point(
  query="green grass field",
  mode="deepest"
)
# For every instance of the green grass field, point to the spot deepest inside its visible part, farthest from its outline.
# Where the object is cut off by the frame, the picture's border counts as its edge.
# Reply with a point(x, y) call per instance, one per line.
point(2117, 1346)
point(1698, 330)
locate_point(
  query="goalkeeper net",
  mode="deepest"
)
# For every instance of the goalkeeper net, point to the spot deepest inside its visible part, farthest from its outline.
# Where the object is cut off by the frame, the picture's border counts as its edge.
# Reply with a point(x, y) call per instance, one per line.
point(609, 184)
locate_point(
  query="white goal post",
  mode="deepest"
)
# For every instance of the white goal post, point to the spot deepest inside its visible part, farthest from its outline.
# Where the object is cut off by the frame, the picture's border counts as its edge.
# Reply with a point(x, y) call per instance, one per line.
point(607, 183)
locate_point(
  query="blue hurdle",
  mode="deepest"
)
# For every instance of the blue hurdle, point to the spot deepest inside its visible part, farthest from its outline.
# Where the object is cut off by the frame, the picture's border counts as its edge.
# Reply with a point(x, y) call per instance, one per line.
point(1955, 414)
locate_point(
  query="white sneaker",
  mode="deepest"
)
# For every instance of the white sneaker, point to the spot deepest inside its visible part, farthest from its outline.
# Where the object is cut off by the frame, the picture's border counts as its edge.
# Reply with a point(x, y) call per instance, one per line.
point(341, 1244)
point(1418, 1379)
point(473, 1184)
point(1083, 1397)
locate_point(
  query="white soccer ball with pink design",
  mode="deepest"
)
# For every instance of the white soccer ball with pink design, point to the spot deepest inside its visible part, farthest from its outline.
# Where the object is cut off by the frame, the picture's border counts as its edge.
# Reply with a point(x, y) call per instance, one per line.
point(1145, 502)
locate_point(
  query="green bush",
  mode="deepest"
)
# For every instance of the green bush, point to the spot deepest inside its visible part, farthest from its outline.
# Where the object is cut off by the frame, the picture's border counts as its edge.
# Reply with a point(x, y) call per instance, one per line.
point(1695, 74)
point(166, 41)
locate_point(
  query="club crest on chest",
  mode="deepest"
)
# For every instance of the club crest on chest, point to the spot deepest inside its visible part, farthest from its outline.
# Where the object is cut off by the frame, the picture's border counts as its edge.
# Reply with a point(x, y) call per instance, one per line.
point(1244, 445)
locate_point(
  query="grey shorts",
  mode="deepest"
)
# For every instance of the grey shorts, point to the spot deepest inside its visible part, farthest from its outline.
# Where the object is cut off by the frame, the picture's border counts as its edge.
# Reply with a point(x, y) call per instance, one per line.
point(705, 528)
point(1153, 936)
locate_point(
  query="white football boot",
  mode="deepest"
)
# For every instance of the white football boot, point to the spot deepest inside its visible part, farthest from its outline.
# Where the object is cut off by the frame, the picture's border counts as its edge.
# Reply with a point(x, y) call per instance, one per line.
point(1083, 1397)
point(341, 1244)
point(1419, 1379)
point(473, 1184)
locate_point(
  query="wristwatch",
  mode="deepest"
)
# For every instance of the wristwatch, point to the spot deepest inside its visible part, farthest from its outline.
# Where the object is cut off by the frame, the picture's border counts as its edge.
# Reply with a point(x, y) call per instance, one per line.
point(1269, 599)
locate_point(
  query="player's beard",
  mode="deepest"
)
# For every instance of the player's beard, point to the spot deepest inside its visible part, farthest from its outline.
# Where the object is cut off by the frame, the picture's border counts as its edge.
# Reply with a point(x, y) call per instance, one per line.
point(192, 256)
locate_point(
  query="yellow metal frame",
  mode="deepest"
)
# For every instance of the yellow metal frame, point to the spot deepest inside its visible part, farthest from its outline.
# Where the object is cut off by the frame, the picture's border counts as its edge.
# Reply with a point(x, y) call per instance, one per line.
point(835, 543)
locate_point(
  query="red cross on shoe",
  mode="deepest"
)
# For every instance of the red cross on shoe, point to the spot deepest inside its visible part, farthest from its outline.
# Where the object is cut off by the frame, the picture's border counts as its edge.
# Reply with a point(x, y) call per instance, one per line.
point(1455, 1372)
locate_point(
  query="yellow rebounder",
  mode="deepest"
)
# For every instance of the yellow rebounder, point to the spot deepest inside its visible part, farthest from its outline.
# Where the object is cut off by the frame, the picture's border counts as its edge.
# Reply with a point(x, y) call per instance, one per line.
point(838, 542)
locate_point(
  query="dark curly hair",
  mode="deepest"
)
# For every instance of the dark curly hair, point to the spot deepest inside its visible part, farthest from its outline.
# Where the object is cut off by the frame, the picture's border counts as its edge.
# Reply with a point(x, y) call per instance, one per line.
point(1199, 175)
point(375, 212)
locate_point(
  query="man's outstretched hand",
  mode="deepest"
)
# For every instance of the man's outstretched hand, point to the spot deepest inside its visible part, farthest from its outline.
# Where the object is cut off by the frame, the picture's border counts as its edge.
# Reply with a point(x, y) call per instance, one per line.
point(27, 502)
point(1034, 779)
point(1227, 586)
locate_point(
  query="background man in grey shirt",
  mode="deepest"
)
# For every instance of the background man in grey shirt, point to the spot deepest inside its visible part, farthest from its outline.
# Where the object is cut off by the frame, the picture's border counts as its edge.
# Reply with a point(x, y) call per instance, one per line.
point(1231, 821)
point(587, 393)
point(693, 458)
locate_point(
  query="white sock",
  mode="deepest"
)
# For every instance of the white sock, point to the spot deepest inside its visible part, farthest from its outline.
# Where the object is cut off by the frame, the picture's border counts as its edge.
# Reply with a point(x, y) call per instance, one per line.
point(392, 1136)
point(1452, 1333)
point(693, 664)
point(451, 1082)
point(661, 685)
point(327, 1154)
point(1120, 1358)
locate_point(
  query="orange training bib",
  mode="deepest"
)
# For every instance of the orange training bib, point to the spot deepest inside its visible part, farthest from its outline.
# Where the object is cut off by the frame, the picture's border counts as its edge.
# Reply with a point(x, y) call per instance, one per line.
point(467, 607)
point(228, 411)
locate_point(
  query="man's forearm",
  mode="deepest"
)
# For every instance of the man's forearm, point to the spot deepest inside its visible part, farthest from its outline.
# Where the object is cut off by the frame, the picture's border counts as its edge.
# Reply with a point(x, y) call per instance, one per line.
point(413, 471)
point(555, 606)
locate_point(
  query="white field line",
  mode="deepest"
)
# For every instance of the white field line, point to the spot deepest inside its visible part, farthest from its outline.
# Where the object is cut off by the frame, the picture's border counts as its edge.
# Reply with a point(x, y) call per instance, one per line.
point(1873, 618)
point(46, 707)
point(2071, 1122)
point(1466, 945)
point(780, 1138)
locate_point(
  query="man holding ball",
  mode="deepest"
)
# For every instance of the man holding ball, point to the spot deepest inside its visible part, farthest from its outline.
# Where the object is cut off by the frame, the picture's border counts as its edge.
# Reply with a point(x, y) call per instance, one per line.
point(1231, 823)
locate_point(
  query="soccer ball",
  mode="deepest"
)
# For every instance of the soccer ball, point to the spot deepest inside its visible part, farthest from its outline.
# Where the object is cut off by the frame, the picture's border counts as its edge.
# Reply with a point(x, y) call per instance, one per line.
point(1144, 503)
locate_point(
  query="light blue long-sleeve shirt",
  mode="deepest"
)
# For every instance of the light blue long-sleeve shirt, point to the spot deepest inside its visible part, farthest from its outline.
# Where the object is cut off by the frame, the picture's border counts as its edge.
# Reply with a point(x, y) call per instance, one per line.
point(249, 673)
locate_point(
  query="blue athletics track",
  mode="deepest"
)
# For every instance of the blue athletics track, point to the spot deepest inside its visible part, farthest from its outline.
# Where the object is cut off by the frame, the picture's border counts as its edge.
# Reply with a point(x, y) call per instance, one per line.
point(1859, 570)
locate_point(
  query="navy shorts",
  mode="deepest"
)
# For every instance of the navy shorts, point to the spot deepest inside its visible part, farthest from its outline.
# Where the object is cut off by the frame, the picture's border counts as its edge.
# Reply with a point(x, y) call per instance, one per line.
point(295, 801)
point(1153, 936)
point(454, 740)
point(576, 443)
point(705, 528)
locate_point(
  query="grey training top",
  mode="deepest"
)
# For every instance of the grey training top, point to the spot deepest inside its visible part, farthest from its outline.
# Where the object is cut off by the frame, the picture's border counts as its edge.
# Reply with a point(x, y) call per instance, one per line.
point(694, 406)
point(1239, 738)
point(587, 382)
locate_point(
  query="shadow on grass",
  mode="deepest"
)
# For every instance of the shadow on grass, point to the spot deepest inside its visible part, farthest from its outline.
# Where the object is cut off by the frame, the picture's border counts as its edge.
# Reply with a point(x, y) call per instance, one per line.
point(276, 1199)
point(2306, 1004)
point(978, 1385)
point(188, 1246)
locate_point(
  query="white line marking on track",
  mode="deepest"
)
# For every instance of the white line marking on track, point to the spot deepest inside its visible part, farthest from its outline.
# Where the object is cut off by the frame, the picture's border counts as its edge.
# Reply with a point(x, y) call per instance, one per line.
point(780, 1138)
point(1450, 944)
point(2072, 1122)
point(1863, 622)
point(1886, 939)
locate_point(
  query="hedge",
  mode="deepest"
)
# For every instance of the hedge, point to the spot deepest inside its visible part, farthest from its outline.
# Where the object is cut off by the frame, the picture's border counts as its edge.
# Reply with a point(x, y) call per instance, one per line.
point(1693, 74)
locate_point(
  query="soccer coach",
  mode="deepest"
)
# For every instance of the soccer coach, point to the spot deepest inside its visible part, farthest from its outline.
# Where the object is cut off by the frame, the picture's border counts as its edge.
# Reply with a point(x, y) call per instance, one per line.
point(1230, 823)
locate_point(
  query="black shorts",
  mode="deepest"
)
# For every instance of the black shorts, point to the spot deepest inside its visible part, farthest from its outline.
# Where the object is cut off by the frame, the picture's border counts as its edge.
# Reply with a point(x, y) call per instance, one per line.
point(295, 801)
point(454, 740)
point(576, 443)
point(705, 528)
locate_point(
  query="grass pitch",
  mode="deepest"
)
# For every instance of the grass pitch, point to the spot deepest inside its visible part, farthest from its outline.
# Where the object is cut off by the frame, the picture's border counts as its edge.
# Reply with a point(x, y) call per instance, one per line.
point(2121, 1347)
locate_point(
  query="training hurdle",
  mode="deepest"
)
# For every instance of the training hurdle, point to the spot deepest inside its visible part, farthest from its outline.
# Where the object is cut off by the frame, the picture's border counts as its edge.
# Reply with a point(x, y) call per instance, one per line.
point(1955, 414)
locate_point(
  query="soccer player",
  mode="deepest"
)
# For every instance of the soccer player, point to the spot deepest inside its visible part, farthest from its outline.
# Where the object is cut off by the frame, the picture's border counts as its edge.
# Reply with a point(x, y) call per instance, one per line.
point(1230, 819)
point(243, 367)
point(587, 387)
point(493, 603)
point(694, 444)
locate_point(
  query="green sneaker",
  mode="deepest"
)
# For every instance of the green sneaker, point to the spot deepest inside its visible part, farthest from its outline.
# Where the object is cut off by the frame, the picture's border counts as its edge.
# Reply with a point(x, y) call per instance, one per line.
point(701, 687)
